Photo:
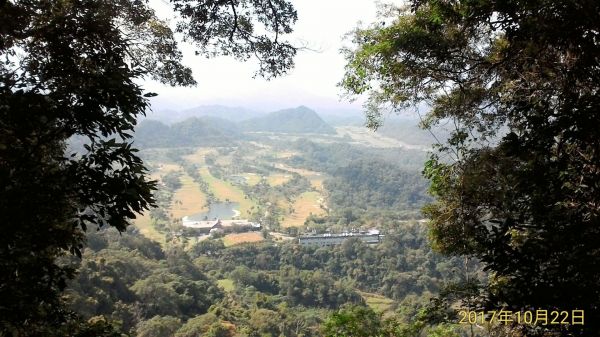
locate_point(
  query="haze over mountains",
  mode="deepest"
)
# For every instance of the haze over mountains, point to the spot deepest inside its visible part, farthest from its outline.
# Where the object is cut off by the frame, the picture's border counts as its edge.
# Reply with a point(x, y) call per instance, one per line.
point(216, 125)
point(225, 112)
point(297, 120)
point(205, 128)
point(237, 114)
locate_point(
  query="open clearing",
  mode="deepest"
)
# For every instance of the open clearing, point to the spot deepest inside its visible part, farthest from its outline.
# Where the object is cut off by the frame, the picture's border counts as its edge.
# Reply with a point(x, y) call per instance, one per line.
point(316, 182)
point(378, 303)
point(226, 284)
point(316, 178)
point(304, 205)
point(188, 200)
point(144, 224)
point(251, 178)
point(277, 179)
point(302, 172)
point(367, 137)
point(235, 239)
point(198, 156)
point(164, 168)
point(285, 154)
point(225, 191)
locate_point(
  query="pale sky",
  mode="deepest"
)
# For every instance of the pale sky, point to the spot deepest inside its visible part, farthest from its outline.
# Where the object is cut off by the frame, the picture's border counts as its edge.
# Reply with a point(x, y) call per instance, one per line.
point(322, 24)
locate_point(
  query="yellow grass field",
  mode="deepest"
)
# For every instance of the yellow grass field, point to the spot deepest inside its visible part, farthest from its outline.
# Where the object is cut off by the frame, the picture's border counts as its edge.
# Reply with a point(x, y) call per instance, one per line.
point(226, 191)
point(144, 224)
point(304, 205)
point(300, 171)
point(316, 182)
point(285, 154)
point(166, 168)
point(224, 160)
point(187, 200)
point(251, 178)
point(277, 179)
point(198, 156)
point(235, 239)
point(378, 303)
point(316, 178)
point(226, 284)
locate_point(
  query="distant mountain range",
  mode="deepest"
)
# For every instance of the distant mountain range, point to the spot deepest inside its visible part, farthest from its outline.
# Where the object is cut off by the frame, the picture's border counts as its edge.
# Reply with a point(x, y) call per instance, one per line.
point(234, 114)
point(209, 130)
point(216, 125)
point(193, 131)
point(297, 120)
point(333, 117)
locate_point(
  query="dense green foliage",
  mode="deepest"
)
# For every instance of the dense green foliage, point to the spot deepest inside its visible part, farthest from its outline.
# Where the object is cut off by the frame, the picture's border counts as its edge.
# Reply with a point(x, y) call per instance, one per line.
point(409, 132)
point(130, 279)
point(329, 157)
point(401, 265)
point(365, 179)
point(375, 184)
point(277, 288)
point(517, 182)
point(72, 68)
point(205, 131)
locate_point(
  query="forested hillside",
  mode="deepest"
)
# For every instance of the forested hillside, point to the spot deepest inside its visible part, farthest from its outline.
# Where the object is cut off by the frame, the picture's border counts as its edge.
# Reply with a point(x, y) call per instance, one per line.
point(251, 290)
point(233, 222)
point(190, 132)
point(376, 185)
point(297, 120)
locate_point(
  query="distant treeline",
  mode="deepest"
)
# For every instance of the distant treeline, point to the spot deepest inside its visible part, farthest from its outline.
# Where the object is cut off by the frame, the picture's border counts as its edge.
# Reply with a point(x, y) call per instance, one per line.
point(362, 178)
point(203, 131)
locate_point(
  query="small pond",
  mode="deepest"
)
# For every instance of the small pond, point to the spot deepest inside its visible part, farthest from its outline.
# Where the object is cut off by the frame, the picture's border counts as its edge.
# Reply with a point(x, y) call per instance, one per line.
point(221, 210)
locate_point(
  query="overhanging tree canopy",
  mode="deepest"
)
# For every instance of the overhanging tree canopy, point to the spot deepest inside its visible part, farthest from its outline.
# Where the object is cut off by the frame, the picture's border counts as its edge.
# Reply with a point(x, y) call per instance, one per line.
point(71, 67)
point(518, 183)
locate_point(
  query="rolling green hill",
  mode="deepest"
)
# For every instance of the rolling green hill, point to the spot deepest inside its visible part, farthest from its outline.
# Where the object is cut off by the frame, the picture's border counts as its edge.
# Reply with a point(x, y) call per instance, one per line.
point(196, 131)
point(297, 120)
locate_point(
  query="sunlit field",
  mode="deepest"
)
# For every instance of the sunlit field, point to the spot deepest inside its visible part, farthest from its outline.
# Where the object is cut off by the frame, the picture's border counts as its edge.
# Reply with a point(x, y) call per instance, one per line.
point(239, 238)
point(308, 203)
point(188, 199)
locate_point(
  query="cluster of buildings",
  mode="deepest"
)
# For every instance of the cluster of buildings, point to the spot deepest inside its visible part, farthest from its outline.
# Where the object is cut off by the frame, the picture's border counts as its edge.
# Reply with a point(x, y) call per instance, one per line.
point(370, 237)
point(218, 225)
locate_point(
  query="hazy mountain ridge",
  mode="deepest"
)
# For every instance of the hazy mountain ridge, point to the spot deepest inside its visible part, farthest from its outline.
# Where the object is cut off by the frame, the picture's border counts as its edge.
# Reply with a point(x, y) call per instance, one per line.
point(296, 120)
point(193, 131)
point(210, 130)
point(234, 114)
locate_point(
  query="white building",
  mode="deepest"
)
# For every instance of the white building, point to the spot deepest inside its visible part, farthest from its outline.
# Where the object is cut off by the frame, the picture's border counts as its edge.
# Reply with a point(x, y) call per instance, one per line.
point(337, 239)
point(207, 225)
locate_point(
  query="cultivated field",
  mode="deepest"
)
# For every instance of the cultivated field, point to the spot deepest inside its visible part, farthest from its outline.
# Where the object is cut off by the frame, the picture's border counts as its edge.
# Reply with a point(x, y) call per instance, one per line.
point(307, 203)
point(144, 224)
point(378, 303)
point(225, 191)
point(198, 156)
point(235, 239)
point(316, 178)
point(367, 137)
point(188, 200)
point(226, 284)
point(251, 178)
point(276, 179)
